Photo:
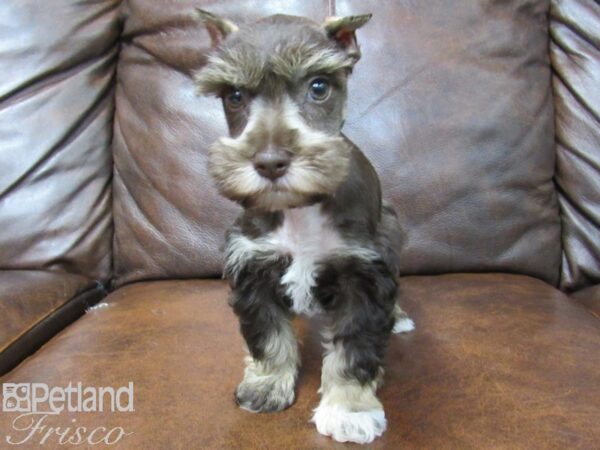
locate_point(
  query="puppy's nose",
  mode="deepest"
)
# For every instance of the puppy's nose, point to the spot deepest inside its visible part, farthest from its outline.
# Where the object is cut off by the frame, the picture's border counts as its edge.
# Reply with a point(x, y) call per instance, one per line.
point(272, 163)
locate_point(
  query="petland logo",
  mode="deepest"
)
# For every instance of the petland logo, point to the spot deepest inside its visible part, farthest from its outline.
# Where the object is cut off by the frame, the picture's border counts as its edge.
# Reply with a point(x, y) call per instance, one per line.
point(36, 402)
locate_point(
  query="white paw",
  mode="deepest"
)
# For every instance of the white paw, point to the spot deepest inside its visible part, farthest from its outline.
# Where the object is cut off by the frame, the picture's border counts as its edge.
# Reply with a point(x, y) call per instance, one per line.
point(403, 325)
point(342, 425)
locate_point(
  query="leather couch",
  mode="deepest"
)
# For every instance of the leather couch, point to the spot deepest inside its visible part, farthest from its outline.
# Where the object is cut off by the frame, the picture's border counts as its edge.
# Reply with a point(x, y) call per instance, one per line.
point(483, 121)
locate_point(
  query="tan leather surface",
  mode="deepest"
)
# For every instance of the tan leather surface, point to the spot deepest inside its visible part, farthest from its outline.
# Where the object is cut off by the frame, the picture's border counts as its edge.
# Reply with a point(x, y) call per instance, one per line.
point(496, 361)
point(575, 53)
point(451, 102)
point(590, 298)
point(28, 296)
point(56, 102)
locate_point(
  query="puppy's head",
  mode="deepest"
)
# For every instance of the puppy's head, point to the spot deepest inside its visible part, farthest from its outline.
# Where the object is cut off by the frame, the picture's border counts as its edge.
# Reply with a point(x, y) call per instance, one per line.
point(282, 81)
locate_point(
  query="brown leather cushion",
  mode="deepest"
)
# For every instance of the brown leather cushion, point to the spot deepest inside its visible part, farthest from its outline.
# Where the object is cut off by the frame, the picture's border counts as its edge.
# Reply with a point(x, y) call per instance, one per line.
point(27, 297)
point(575, 33)
point(451, 102)
point(56, 104)
point(30, 302)
point(496, 361)
point(590, 298)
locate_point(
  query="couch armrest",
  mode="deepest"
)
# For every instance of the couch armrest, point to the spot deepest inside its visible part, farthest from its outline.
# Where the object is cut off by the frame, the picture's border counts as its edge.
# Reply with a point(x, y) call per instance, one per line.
point(590, 298)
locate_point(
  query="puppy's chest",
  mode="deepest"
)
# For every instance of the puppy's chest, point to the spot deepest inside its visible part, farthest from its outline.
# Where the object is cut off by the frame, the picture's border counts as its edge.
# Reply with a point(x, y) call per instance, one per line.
point(307, 235)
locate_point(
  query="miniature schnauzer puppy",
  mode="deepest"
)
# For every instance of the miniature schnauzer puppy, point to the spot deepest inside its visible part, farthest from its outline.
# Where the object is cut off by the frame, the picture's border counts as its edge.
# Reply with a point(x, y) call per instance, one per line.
point(314, 236)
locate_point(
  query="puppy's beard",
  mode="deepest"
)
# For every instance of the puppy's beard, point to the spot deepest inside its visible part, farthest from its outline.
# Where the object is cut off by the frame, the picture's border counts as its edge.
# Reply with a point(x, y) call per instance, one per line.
point(316, 171)
point(276, 200)
point(290, 191)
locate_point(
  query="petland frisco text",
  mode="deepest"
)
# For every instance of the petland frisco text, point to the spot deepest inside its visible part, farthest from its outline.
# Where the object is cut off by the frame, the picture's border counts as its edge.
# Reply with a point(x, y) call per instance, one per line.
point(36, 402)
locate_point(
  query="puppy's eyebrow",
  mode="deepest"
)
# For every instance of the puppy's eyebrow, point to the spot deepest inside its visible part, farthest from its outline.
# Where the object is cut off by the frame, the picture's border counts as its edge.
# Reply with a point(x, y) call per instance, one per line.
point(244, 68)
point(230, 67)
point(293, 62)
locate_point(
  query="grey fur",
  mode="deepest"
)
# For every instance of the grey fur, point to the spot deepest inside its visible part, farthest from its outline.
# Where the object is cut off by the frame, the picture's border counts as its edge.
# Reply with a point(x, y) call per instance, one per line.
point(285, 46)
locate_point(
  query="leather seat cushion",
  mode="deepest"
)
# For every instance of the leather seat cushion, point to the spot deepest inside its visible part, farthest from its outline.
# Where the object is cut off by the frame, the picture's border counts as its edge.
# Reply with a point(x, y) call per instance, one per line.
point(590, 298)
point(35, 305)
point(29, 296)
point(496, 361)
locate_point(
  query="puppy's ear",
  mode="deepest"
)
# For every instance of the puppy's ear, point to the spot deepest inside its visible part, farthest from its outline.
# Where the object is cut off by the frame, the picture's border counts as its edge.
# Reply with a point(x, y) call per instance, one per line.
point(217, 28)
point(342, 30)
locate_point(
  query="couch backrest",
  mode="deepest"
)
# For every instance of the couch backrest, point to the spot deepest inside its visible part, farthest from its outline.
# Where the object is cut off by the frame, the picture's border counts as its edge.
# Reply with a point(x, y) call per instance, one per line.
point(57, 63)
point(575, 52)
point(452, 102)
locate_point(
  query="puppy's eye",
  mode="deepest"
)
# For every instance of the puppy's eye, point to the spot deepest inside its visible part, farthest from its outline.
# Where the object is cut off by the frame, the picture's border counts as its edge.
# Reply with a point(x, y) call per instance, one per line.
point(319, 89)
point(234, 98)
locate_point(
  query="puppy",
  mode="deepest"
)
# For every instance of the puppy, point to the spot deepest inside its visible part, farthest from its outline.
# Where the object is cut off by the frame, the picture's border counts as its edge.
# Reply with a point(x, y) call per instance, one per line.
point(314, 235)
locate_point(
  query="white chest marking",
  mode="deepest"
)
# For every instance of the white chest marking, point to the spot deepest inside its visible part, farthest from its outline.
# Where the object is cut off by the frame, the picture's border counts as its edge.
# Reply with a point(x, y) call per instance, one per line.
point(307, 235)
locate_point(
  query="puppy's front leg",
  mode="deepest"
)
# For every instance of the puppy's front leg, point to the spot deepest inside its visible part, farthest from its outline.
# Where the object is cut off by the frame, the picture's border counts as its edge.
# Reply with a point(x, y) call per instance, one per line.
point(272, 366)
point(358, 297)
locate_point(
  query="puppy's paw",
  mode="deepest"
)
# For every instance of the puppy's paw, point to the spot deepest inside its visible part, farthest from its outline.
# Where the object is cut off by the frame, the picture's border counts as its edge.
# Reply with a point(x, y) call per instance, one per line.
point(342, 425)
point(403, 325)
point(265, 395)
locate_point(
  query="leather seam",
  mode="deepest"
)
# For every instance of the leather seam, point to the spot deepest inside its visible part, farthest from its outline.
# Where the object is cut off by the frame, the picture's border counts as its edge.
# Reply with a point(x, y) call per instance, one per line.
point(47, 315)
